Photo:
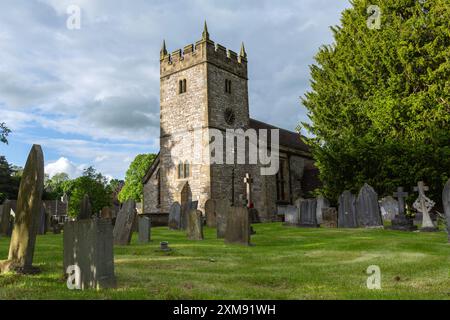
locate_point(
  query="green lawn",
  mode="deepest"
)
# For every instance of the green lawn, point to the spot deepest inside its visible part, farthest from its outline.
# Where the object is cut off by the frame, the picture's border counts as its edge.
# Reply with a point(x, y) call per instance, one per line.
point(285, 263)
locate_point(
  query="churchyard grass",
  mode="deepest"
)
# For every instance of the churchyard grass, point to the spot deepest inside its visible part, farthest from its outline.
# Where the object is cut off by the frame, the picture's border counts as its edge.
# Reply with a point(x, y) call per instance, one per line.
point(285, 263)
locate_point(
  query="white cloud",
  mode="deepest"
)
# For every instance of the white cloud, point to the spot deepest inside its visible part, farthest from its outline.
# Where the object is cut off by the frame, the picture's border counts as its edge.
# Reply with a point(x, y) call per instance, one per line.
point(64, 165)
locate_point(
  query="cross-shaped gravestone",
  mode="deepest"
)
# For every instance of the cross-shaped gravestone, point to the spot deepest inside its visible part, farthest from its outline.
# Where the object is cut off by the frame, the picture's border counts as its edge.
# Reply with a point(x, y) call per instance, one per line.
point(248, 180)
point(401, 195)
point(424, 204)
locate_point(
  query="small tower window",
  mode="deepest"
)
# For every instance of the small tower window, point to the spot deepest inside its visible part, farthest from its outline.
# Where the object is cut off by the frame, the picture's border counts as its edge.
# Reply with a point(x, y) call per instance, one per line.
point(182, 87)
point(180, 170)
point(184, 170)
point(187, 170)
point(227, 86)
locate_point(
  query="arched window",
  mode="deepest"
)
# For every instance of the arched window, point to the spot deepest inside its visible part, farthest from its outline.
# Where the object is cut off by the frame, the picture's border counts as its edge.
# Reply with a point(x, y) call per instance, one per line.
point(187, 170)
point(184, 86)
point(227, 86)
point(180, 171)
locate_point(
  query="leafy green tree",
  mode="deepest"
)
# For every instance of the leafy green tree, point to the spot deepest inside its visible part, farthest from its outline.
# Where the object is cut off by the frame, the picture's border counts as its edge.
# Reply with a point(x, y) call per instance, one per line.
point(133, 179)
point(9, 185)
point(92, 183)
point(380, 99)
point(4, 132)
point(54, 187)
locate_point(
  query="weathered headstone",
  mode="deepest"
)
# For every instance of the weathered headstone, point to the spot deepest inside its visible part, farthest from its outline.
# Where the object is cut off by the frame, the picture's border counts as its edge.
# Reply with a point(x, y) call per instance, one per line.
point(330, 217)
point(308, 213)
point(291, 216)
point(238, 226)
point(106, 213)
point(85, 209)
point(321, 204)
point(5, 218)
point(29, 204)
point(124, 223)
point(195, 225)
point(347, 211)
point(88, 244)
point(175, 216)
point(446, 203)
point(188, 206)
point(210, 213)
point(367, 208)
point(144, 229)
point(401, 222)
point(389, 208)
point(42, 227)
point(423, 204)
point(223, 209)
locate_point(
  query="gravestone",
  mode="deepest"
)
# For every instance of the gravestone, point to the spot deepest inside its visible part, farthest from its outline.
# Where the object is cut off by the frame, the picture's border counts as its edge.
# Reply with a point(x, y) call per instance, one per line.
point(347, 211)
point(144, 229)
point(175, 216)
point(210, 213)
point(88, 244)
point(423, 204)
point(254, 215)
point(195, 225)
point(106, 213)
point(308, 213)
point(401, 222)
point(124, 223)
point(330, 217)
point(238, 226)
point(85, 209)
point(367, 208)
point(291, 216)
point(188, 206)
point(222, 211)
point(321, 204)
point(388, 208)
point(42, 227)
point(28, 210)
point(446, 203)
point(5, 219)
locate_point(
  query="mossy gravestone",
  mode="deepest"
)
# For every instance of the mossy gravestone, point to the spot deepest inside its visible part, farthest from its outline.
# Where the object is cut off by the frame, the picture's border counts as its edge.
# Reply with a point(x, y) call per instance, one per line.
point(28, 213)
point(347, 211)
point(368, 209)
point(195, 225)
point(88, 245)
point(124, 223)
point(238, 227)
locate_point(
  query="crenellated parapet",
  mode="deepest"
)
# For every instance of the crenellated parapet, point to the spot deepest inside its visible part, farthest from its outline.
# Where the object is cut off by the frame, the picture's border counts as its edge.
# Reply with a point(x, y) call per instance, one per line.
point(204, 51)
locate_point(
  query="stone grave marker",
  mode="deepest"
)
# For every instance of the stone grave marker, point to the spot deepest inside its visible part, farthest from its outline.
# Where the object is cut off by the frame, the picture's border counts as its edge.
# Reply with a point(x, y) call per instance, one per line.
point(308, 213)
point(210, 213)
point(144, 229)
point(5, 219)
point(321, 204)
point(401, 222)
point(367, 208)
point(292, 216)
point(188, 206)
point(254, 215)
point(222, 211)
point(347, 211)
point(388, 208)
point(175, 216)
point(423, 204)
point(28, 210)
point(85, 209)
point(88, 244)
point(238, 227)
point(446, 203)
point(330, 217)
point(123, 228)
point(195, 225)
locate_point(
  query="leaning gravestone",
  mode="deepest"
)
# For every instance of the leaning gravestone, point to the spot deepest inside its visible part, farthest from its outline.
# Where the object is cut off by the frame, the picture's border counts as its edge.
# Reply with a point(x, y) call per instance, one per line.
point(308, 213)
point(291, 216)
point(238, 226)
point(347, 211)
point(210, 213)
point(28, 210)
point(124, 223)
point(367, 208)
point(222, 211)
point(330, 218)
point(5, 218)
point(144, 229)
point(388, 208)
point(88, 246)
point(446, 202)
point(175, 216)
point(321, 204)
point(195, 225)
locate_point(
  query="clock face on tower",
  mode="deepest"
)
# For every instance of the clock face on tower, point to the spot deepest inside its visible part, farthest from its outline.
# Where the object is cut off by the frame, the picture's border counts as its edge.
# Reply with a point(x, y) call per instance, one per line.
point(230, 116)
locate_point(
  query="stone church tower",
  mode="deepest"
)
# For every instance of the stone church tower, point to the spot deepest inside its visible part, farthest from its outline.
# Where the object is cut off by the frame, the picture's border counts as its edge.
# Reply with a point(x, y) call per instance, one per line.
point(204, 87)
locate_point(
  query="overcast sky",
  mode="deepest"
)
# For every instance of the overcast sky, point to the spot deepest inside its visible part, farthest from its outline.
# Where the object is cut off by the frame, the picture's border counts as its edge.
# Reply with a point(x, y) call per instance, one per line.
point(91, 96)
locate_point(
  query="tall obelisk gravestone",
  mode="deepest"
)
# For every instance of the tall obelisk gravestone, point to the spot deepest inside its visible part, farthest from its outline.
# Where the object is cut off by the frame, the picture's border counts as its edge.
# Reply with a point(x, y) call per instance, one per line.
point(28, 213)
